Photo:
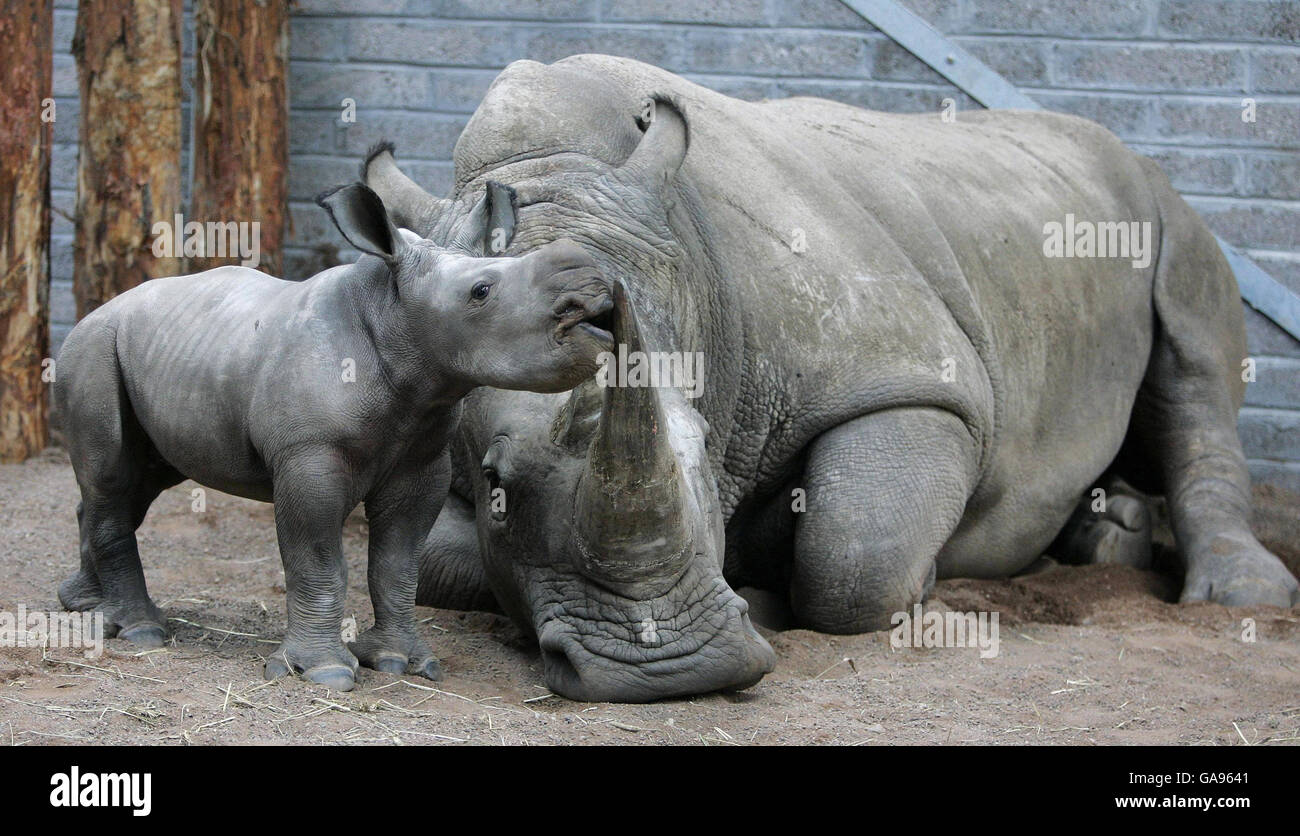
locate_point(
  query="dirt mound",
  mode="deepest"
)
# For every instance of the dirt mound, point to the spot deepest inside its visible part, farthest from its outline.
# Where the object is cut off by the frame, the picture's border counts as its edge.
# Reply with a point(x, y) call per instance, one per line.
point(1062, 594)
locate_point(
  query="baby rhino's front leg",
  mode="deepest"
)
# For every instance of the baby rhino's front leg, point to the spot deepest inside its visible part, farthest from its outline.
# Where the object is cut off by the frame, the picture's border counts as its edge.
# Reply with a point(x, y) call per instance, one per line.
point(311, 502)
point(400, 513)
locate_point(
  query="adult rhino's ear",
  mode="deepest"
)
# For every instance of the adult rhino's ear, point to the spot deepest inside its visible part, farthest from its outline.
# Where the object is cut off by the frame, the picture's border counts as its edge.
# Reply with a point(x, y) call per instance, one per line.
point(661, 151)
point(409, 205)
point(360, 215)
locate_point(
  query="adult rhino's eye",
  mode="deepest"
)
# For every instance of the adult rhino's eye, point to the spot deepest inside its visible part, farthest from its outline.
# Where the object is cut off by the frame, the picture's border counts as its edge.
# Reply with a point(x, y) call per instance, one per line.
point(480, 291)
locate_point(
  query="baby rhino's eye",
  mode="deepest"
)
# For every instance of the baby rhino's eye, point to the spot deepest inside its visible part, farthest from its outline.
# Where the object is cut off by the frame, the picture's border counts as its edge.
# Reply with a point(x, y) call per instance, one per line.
point(480, 291)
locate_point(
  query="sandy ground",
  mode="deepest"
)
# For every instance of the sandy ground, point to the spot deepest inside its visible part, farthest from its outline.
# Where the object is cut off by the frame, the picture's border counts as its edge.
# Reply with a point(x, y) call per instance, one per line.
point(1087, 655)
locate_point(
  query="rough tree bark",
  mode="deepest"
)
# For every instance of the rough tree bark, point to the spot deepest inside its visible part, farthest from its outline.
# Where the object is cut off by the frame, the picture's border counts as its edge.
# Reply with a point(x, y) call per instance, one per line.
point(128, 176)
point(241, 122)
point(26, 30)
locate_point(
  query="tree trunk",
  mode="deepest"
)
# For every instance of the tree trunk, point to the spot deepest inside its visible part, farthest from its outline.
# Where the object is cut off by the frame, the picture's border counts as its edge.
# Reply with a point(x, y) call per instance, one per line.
point(128, 176)
point(26, 30)
point(241, 124)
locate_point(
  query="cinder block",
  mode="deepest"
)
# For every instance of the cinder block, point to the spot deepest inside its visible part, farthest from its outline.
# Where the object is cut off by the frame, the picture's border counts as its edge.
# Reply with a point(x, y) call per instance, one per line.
point(779, 53)
point(1265, 226)
point(63, 306)
point(311, 226)
point(1197, 171)
point(65, 82)
point(313, 131)
point(1129, 18)
point(67, 121)
point(729, 12)
point(460, 91)
point(63, 166)
point(309, 176)
point(65, 26)
point(1277, 383)
point(308, 8)
point(62, 258)
point(738, 87)
point(1275, 70)
point(63, 203)
point(1269, 433)
point(1213, 121)
point(890, 62)
point(320, 38)
point(818, 14)
point(516, 9)
point(441, 43)
point(428, 136)
point(1230, 20)
point(321, 85)
point(1128, 117)
point(663, 48)
point(1020, 60)
point(1273, 175)
point(1149, 67)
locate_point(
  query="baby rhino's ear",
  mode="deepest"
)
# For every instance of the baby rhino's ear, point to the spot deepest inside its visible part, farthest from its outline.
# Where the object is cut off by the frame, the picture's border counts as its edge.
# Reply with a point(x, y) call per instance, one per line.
point(360, 215)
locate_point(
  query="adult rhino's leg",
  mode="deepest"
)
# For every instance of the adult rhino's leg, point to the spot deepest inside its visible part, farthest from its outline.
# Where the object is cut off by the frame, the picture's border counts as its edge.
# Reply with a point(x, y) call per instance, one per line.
point(1106, 527)
point(311, 502)
point(400, 513)
point(1186, 416)
point(884, 493)
point(451, 568)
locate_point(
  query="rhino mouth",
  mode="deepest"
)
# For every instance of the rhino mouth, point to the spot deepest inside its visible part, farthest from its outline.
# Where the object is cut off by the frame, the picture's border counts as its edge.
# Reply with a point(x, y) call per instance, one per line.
point(603, 648)
point(592, 318)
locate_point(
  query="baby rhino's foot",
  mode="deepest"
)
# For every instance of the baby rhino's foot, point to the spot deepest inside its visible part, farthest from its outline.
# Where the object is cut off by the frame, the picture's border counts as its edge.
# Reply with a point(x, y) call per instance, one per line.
point(81, 592)
point(139, 622)
point(333, 667)
point(396, 651)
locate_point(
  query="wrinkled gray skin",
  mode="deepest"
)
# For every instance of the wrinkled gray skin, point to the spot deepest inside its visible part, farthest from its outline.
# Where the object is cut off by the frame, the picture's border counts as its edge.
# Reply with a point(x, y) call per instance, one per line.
point(236, 380)
point(632, 514)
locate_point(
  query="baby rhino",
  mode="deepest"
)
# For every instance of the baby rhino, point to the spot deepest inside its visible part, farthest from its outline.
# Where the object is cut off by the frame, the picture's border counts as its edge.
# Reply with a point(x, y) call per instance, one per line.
point(315, 395)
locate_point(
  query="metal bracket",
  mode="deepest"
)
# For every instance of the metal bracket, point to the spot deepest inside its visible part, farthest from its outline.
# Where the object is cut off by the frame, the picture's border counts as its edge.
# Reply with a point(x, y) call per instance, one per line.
point(975, 78)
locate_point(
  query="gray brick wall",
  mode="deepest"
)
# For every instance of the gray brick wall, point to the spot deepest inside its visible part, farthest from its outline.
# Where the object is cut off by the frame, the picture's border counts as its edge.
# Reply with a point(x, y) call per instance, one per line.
point(1168, 76)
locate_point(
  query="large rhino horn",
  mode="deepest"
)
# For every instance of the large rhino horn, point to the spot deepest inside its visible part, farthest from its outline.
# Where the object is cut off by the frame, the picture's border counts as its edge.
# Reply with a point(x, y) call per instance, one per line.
point(628, 516)
point(408, 205)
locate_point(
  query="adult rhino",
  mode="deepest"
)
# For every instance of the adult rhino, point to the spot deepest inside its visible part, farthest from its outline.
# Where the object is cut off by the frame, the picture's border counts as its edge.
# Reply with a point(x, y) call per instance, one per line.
point(940, 390)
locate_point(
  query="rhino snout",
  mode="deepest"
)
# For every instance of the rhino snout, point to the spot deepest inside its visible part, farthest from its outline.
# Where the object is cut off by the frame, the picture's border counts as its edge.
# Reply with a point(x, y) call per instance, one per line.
point(651, 659)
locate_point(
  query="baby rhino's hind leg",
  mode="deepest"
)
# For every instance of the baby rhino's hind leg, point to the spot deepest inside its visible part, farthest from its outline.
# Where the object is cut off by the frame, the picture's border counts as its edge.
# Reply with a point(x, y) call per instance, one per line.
point(82, 591)
point(120, 475)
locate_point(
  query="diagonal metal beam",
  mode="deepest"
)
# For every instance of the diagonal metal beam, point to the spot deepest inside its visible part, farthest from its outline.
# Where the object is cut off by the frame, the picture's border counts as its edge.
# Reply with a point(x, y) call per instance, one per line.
point(975, 78)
